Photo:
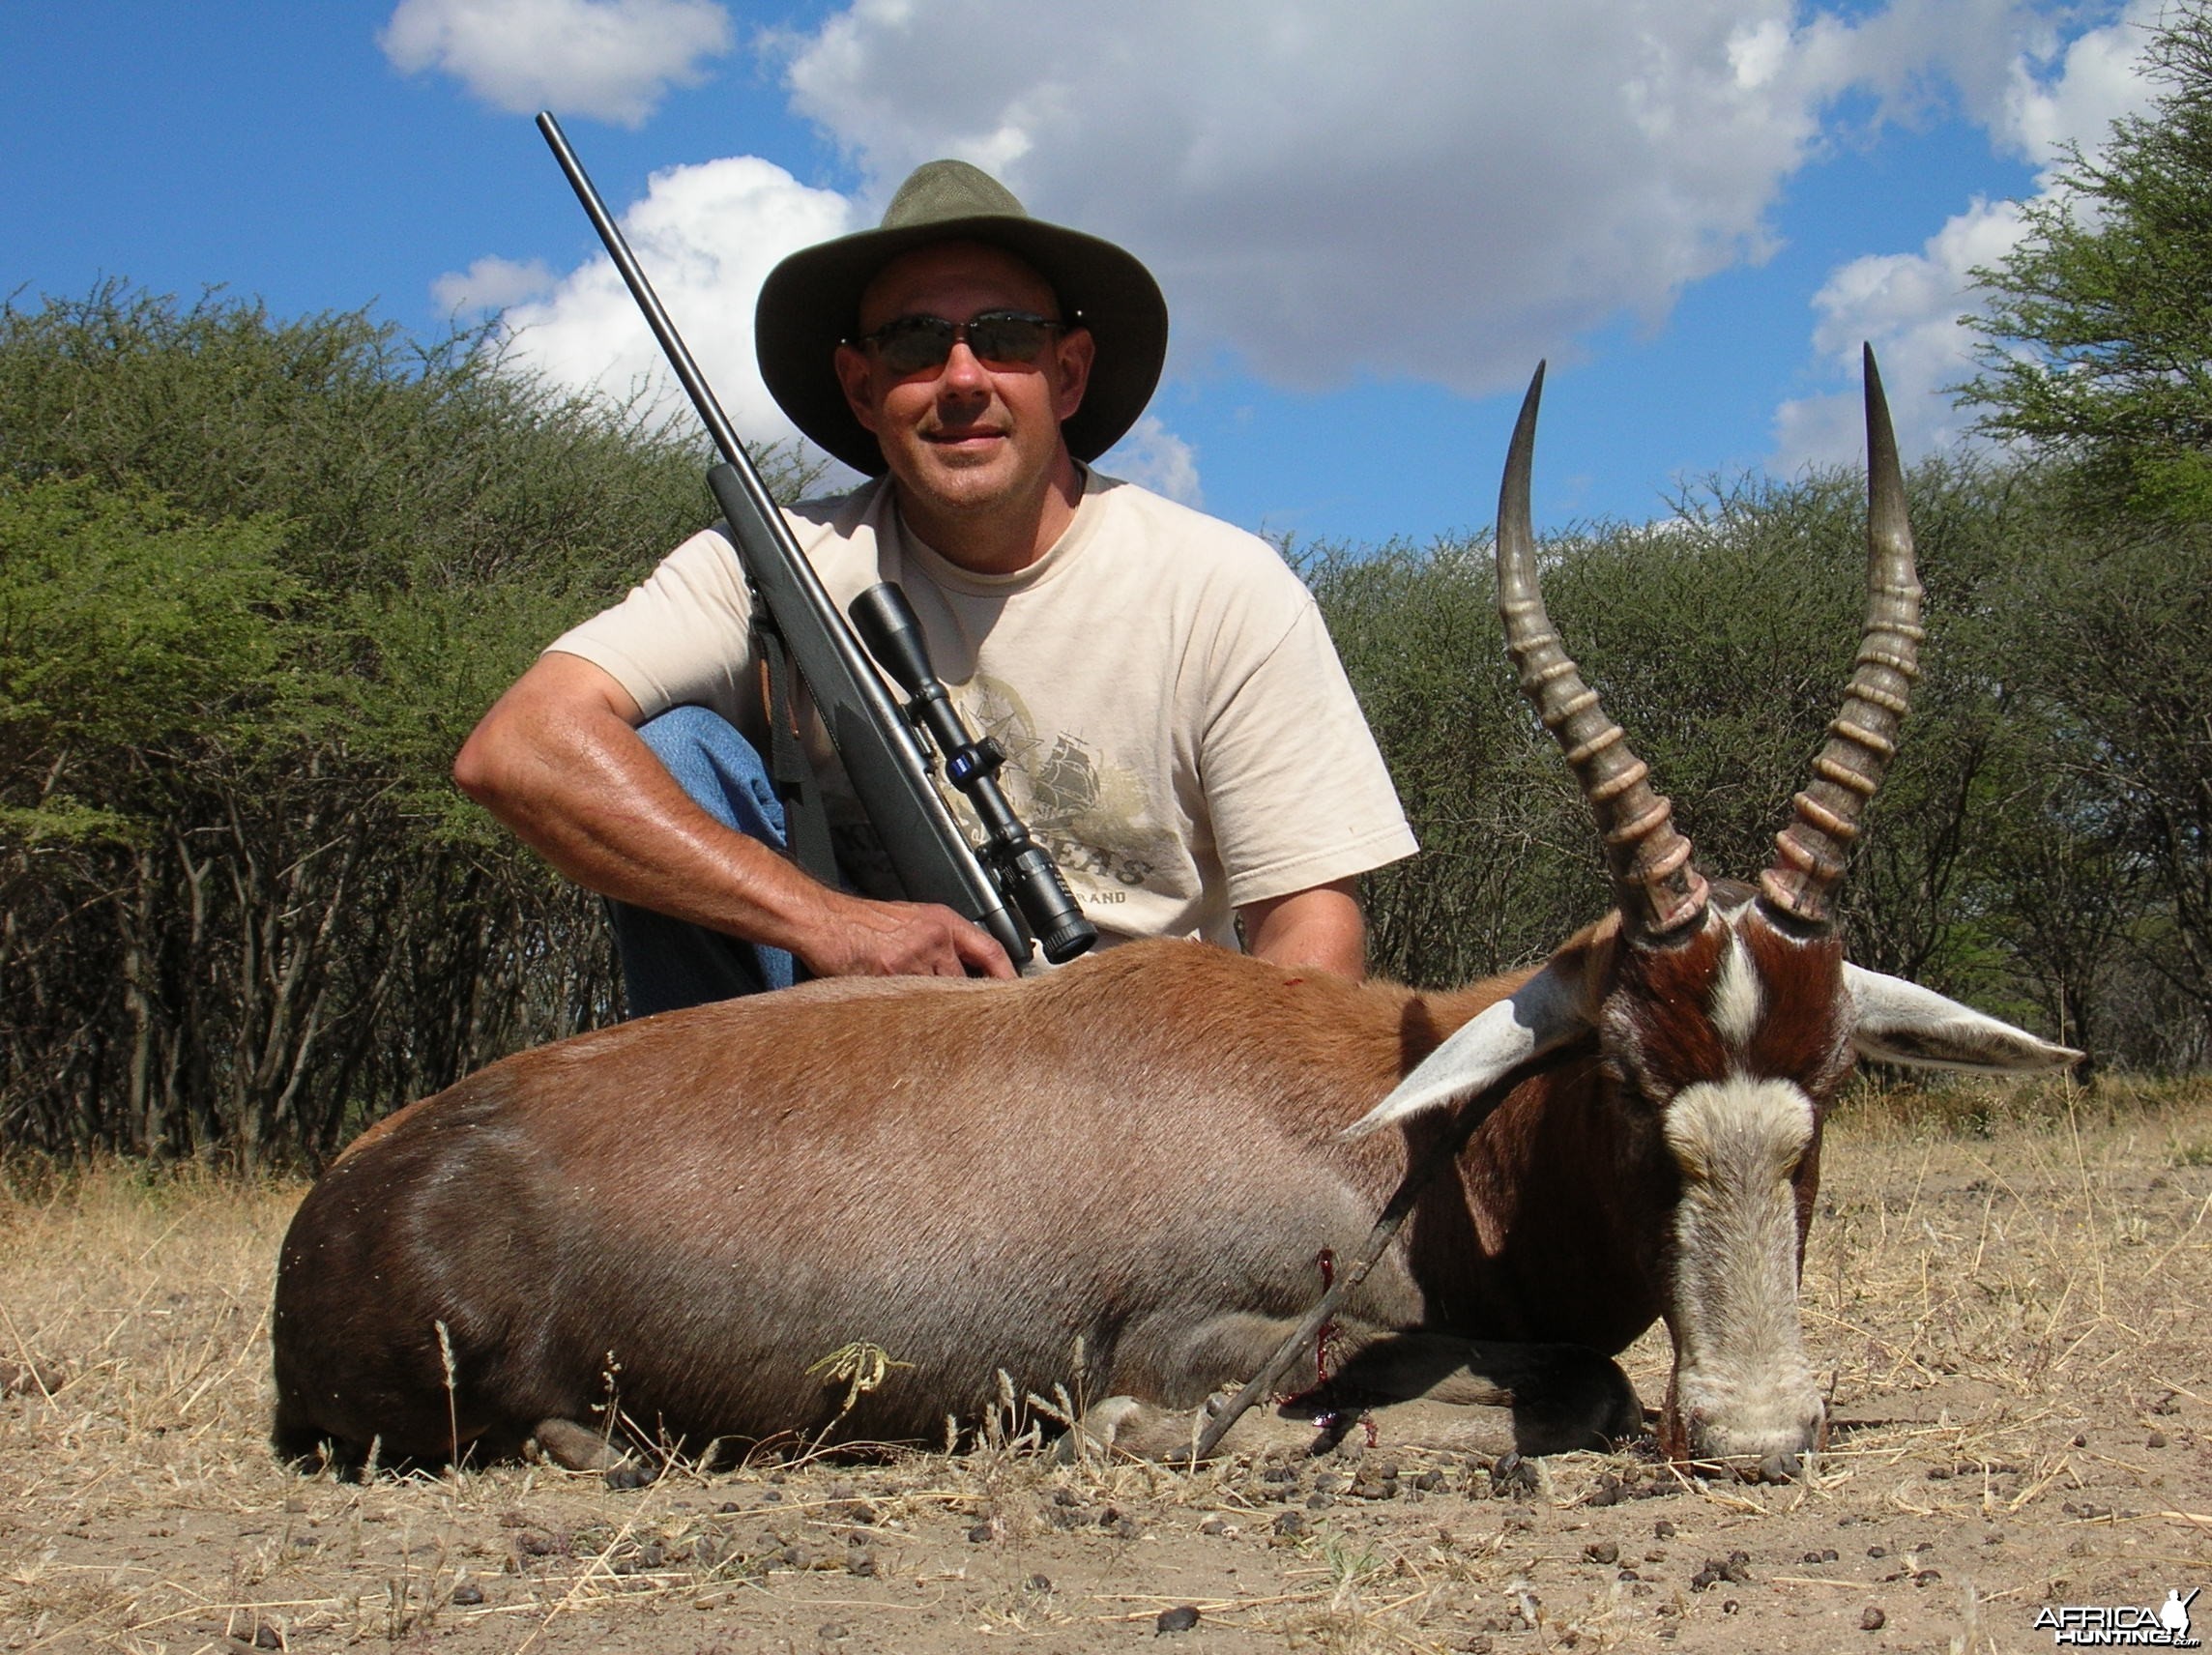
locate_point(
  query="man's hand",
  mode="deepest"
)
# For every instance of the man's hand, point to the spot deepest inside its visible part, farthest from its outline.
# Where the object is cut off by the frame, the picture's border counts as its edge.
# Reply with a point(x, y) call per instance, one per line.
point(859, 937)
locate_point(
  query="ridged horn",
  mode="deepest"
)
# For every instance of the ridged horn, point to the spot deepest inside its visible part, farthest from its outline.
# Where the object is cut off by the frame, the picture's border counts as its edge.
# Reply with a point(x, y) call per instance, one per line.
point(1812, 852)
point(1656, 884)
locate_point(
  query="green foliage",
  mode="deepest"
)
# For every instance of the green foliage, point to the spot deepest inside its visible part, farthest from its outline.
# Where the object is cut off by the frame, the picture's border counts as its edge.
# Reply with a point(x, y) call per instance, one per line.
point(2097, 341)
point(122, 619)
point(257, 579)
point(124, 623)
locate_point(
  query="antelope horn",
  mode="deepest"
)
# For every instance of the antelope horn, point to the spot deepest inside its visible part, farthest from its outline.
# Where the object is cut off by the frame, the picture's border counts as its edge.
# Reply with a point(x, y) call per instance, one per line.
point(1658, 888)
point(1812, 852)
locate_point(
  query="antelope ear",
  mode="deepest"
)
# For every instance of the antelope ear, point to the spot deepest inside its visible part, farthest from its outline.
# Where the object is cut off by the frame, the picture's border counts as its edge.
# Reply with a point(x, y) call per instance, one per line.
point(1900, 1022)
point(1542, 1012)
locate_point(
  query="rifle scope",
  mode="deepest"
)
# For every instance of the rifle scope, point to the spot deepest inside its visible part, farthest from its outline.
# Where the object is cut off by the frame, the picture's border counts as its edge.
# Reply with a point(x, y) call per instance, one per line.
point(886, 623)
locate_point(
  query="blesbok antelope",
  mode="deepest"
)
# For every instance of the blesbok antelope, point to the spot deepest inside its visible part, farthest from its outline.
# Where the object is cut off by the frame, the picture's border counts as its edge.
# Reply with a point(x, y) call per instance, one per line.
point(1144, 1158)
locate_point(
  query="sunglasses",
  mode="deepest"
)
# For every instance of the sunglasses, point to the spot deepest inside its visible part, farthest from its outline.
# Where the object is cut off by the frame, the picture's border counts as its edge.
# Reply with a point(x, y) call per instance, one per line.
point(1000, 339)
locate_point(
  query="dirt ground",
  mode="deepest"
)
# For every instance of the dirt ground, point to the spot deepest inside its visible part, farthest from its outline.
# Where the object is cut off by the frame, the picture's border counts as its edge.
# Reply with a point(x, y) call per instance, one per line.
point(2012, 1299)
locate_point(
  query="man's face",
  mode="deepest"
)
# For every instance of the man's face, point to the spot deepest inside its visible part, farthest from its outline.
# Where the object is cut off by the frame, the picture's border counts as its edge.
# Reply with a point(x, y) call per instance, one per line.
point(963, 437)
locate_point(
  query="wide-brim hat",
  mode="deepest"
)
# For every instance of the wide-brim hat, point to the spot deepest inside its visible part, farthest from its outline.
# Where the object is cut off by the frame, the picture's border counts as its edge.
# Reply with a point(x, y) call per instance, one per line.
point(811, 300)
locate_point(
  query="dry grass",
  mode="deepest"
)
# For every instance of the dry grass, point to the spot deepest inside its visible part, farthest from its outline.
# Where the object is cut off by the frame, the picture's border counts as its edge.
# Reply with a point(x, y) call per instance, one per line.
point(2009, 1284)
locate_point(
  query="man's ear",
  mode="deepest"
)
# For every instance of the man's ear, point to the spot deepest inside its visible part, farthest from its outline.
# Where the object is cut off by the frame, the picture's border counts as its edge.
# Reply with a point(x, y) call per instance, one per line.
point(1073, 352)
point(854, 380)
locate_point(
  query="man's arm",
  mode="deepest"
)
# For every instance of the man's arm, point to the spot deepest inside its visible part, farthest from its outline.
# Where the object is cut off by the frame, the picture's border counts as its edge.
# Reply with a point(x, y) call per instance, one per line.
point(559, 760)
point(1322, 927)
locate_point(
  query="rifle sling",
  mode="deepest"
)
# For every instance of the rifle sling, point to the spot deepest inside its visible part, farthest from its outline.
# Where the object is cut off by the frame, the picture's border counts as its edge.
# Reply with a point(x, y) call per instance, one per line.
point(805, 822)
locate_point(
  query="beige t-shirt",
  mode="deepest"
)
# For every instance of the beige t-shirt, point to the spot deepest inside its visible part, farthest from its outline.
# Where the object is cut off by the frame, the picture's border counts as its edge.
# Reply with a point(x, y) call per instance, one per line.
point(1179, 732)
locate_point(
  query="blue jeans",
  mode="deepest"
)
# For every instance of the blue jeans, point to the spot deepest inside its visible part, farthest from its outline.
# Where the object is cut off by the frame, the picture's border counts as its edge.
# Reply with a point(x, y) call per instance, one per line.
point(670, 963)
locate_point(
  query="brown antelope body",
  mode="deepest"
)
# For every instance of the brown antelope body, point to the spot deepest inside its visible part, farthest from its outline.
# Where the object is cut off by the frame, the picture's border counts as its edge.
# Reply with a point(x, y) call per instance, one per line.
point(1126, 1174)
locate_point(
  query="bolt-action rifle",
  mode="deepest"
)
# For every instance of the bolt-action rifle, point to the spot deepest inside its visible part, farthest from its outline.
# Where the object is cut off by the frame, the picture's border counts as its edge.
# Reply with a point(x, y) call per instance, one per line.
point(1010, 887)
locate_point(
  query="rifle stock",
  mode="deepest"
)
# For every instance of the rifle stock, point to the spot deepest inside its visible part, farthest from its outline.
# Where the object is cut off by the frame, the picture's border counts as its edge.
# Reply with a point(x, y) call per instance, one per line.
point(891, 775)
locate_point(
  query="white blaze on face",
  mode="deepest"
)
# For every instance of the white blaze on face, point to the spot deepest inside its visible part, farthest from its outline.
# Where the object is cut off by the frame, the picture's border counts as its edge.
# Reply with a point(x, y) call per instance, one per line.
point(1739, 1000)
point(1742, 1384)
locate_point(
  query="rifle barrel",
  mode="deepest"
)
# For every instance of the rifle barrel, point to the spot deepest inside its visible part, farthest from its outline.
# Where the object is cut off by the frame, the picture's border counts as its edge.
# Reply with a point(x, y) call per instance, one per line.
point(881, 755)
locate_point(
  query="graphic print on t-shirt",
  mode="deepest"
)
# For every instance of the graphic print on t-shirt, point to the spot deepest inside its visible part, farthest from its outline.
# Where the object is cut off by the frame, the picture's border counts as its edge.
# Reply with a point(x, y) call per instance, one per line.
point(1089, 815)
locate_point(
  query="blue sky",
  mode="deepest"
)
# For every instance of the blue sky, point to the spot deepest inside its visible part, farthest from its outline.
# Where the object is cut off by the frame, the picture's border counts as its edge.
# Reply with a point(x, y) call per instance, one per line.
point(1370, 220)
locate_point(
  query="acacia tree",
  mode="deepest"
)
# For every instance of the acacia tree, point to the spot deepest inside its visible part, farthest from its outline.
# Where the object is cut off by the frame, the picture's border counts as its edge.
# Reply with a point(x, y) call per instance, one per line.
point(2097, 340)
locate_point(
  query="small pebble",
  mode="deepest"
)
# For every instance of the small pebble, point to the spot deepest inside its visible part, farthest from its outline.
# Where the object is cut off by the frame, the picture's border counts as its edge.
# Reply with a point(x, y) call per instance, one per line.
point(1181, 1618)
point(1602, 1551)
point(468, 1593)
point(1874, 1621)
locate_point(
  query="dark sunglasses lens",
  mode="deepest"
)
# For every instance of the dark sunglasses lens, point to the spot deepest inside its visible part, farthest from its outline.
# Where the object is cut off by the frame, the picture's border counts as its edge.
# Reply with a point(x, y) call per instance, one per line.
point(913, 343)
point(1006, 339)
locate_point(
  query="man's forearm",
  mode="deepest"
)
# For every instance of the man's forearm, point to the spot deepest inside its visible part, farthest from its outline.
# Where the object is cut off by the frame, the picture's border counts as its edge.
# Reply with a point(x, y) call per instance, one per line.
point(559, 760)
point(592, 799)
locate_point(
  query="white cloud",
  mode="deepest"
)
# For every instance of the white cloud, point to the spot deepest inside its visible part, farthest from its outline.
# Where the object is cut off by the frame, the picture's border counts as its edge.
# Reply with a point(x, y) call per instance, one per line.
point(1154, 457)
point(1440, 190)
point(1908, 305)
point(611, 59)
point(707, 236)
point(2099, 78)
point(490, 284)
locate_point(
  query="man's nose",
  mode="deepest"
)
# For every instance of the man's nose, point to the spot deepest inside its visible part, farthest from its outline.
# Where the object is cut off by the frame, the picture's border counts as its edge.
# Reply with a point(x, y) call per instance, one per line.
point(963, 370)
